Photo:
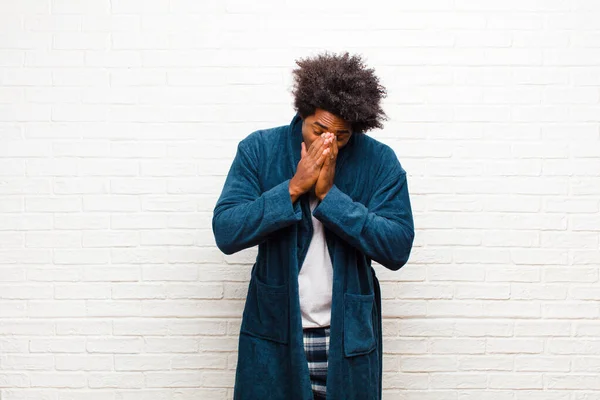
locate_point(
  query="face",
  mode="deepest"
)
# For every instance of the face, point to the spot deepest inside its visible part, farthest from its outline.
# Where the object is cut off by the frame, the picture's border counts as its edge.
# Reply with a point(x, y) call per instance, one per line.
point(323, 121)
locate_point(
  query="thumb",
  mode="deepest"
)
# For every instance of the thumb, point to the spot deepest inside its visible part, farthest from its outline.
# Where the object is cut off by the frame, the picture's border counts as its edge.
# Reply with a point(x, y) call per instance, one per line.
point(303, 152)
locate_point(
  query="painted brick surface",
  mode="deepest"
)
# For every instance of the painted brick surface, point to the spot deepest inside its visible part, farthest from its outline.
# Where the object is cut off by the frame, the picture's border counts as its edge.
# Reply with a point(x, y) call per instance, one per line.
point(118, 123)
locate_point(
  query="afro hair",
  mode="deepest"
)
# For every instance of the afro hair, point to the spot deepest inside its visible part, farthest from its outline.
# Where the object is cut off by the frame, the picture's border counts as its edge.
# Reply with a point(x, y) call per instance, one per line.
point(342, 85)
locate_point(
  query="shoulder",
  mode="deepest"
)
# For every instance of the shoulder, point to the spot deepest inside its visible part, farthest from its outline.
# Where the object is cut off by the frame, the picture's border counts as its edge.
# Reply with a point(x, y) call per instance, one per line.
point(263, 140)
point(382, 156)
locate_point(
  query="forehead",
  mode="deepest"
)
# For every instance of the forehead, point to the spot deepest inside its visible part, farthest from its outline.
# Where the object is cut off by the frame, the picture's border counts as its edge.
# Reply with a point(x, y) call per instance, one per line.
point(331, 121)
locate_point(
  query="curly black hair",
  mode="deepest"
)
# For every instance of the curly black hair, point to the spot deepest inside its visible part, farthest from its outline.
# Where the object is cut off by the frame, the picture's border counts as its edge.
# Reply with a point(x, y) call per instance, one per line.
point(342, 85)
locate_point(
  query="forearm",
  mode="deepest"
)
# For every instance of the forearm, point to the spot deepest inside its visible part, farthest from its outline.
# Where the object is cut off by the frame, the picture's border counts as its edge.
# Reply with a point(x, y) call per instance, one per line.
point(239, 225)
point(385, 238)
point(294, 192)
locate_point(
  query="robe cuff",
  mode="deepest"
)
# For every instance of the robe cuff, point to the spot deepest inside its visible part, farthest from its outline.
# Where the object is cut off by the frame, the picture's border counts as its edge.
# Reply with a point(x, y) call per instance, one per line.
point(332, 210)
point(279, 206)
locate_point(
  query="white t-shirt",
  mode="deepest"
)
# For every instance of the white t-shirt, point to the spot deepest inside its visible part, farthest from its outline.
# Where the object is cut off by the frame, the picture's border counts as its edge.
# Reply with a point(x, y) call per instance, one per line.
point(315, 280)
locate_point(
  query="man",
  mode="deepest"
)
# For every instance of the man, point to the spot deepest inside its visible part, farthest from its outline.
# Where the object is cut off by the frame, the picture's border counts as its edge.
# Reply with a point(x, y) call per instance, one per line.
point(321, 200)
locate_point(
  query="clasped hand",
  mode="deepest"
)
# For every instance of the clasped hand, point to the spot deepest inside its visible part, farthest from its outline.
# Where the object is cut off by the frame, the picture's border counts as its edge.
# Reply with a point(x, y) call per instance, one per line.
point(316, 168)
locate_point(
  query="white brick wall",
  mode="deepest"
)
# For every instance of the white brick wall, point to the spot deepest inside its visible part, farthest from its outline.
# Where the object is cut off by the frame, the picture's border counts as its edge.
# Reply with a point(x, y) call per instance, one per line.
point(118, 122)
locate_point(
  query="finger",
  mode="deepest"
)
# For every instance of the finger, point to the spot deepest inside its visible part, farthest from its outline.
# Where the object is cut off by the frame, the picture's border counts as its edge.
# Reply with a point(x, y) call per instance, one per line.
point(323, 157)
point(315, 146)
point(335, 148)
point(330, 137)
point(303, 151)
point(327, 161)
point(333, 153)
point(319, 147)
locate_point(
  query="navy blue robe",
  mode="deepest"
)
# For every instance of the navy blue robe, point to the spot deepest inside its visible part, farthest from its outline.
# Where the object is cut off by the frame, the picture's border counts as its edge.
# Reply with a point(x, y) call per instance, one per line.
point(367, 216)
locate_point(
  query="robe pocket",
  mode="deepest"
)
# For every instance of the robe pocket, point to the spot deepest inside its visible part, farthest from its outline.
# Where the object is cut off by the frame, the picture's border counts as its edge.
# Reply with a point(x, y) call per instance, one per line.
point(359, 335)
point(266, 311)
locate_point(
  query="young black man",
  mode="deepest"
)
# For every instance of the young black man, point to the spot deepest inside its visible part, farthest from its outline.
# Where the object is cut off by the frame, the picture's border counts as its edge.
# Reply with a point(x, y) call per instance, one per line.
point(322, 200)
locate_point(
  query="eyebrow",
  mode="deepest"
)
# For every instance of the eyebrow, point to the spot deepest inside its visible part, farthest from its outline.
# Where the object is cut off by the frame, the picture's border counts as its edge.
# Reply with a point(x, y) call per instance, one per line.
point(326, 128)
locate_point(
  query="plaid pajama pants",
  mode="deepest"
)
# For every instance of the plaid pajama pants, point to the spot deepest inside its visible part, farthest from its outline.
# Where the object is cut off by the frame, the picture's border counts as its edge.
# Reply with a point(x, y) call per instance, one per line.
point(316, 348)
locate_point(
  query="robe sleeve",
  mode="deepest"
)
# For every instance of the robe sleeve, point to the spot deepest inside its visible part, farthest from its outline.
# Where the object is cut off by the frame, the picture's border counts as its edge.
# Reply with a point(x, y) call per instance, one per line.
point(244, 215)
point(384, 230)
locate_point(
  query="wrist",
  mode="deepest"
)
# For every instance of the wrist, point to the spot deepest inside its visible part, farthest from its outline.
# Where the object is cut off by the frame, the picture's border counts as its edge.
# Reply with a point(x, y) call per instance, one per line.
point(321, 196)
point(294, 191)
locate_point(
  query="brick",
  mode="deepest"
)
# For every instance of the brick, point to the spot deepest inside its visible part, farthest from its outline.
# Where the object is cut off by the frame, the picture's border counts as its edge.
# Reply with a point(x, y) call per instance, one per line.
point(141, 362)
point(173, 379)
point(203, 327)
point(170, 204)
point(138, 291)
point(115, 345)
point(137, 186)
point(80, 186)
point(531, 363)
point(519, 381)
point(112, 203)
point(26, 327)
point(33, 186)
point(110, 239)
point(199, 361)
point(512, 346)
point(12, 240)
point(170, 345)
point(138, 221)
point(83, 327)
point(102, 167)
point(458, 381)
point(527, 291)
point(195, 291)
point(119, 122)
point(25, 292)
point(167, 238)
point(13, 345)
point(485, 363)
point(116, 380)
point(81, 221)
point(47, 239)
point(108, 308)
point(139, 327)
point(25, 256)
point(170, 273)
point(86, 362)
point(82, 291)
point(11, 204)
point(58, 204)
point(62, 345)
point(113, 273)
point(57, 308)
point(542, 328)
point(81, 256)
point(14, 380)
point(21, 362)
point(431, 364)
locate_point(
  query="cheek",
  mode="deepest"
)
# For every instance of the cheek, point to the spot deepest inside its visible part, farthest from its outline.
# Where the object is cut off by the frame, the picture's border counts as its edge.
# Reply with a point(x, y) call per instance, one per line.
point(308, 142)
point(343, 143)
point(309, 139)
